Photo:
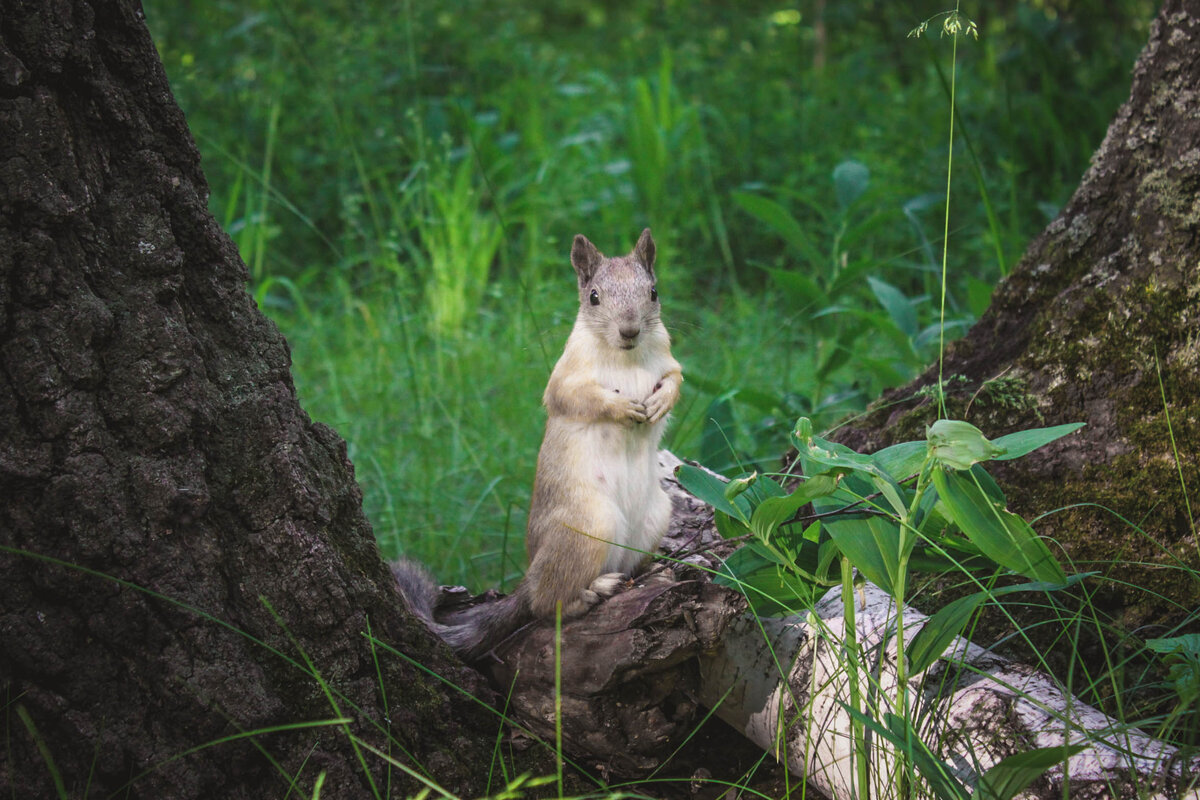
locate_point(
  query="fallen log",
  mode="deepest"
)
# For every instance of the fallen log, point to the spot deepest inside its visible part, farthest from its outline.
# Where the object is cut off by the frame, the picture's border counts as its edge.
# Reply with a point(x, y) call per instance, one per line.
point(789, 681)
point(636, 670)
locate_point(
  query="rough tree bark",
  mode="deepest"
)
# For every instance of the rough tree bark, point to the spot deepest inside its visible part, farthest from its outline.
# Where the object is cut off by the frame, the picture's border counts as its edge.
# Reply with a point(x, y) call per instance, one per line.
point(149, 432)
point(1107, 295)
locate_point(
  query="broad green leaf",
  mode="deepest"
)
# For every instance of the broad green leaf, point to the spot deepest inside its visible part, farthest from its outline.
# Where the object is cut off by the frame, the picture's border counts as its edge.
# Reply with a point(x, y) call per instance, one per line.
point(892, 492)
point(871, 543)
point(901, 460)
point(729, 527)
point(780, 220)
point(905, 738)
point(925, 558)
point(1186, 644)
point(898, 307)
point(1013, 775)
point(772, 588)
point(959, 444)
point(801, 291)
point(850, 180)
point(940, 630)
point(711, 489)
point(1022, 442)
point(1183, 655)
point(774, 511)
point(829, 454)
point(1001, 535)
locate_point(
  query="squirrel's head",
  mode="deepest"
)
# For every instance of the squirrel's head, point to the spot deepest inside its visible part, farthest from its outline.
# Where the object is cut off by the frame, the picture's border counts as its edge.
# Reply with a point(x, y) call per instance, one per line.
point(618, 298)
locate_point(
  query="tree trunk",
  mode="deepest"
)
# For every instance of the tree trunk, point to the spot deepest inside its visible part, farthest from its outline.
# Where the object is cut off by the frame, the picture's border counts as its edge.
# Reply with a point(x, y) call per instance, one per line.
point(1105, 299)
point(183, 549)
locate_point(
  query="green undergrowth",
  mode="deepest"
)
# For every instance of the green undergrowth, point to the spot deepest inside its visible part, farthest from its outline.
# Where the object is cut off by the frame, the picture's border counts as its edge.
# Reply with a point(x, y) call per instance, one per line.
point(404, 181)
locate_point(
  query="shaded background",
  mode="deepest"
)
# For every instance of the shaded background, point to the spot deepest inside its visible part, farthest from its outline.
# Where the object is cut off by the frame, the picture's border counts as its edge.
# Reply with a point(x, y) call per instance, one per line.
point(404, 179)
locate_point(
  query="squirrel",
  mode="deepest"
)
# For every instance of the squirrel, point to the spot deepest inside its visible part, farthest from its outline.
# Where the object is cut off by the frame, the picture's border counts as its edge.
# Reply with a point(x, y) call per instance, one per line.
point(597, 506)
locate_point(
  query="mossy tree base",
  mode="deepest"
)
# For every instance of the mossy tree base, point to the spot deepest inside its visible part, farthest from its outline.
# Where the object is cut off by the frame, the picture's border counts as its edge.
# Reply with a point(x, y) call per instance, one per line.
point(1105, 300)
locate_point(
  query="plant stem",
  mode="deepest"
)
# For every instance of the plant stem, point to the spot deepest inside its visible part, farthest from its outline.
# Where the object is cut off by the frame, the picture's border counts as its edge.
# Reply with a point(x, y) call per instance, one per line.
point(941, 392)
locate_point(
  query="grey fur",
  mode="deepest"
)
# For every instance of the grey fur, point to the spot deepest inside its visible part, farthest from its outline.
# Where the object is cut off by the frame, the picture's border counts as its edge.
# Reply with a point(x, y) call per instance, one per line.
point(470, 633)
point(623, 286)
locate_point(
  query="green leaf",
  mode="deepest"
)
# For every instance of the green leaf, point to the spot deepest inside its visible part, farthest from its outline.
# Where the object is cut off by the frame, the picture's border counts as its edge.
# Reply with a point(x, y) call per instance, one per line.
point(774, 511)
point(871, 543)
point(892, 492)
point(1187, 644)
point(1001, 535)
point(1022, 442)
point(939, 630)
point(1183, 655)
point(801, 291)
point(771, 586)
point(898, 307)
point(780, 220)
point(901, 460)
point(829, 454)
point(1013, 774)
point(729, 527)
point(850, 180)
point(711, 489)
point(959, 444)
point(905, 738)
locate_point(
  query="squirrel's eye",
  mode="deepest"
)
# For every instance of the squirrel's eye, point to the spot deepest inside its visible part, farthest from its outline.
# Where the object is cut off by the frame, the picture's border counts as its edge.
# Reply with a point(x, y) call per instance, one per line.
point(595, 298)
point(653, 295)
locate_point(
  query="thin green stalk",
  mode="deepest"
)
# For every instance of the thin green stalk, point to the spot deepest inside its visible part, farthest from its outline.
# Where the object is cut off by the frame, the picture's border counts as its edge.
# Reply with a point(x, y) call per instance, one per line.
point(1187, 503)
point(941, 392)
point(850, 646)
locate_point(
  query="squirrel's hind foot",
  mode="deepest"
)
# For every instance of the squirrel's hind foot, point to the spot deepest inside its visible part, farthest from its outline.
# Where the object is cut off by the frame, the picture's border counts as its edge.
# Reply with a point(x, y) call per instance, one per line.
point(606, 585)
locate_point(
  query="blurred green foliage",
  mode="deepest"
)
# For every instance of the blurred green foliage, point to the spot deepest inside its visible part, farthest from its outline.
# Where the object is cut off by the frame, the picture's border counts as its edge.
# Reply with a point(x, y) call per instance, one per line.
point(404, 179)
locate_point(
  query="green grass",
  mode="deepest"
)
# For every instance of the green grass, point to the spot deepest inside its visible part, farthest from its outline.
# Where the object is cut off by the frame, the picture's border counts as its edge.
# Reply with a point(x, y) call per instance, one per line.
point(404, 184)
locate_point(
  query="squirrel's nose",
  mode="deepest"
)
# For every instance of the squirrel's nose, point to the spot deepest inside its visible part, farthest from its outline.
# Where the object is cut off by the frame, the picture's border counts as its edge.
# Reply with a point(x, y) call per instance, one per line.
point(630, 331)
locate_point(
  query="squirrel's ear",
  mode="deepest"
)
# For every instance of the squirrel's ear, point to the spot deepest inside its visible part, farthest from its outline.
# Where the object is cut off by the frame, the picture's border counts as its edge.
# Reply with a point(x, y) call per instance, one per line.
point(585, 258)
point(644, 250)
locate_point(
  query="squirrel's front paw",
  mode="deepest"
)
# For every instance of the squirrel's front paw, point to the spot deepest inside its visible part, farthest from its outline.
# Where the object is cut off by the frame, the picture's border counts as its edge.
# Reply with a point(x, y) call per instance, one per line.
point(659, 403)
point(635, 411)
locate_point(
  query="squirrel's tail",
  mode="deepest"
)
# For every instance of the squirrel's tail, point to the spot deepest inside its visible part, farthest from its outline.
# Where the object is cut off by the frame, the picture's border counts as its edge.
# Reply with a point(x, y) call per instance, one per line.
point(470, 633)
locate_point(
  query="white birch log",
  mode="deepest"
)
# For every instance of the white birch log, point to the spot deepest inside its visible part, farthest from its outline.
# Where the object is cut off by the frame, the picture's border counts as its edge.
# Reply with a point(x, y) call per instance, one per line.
point(779, 681)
